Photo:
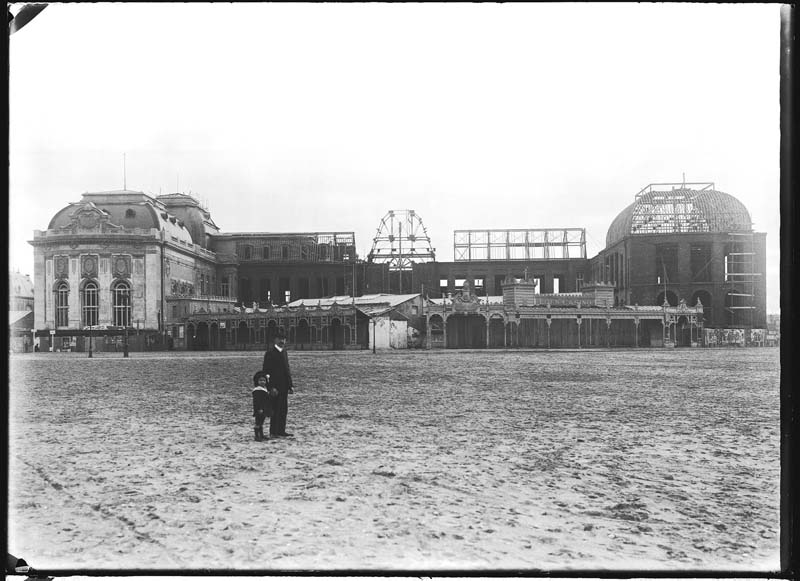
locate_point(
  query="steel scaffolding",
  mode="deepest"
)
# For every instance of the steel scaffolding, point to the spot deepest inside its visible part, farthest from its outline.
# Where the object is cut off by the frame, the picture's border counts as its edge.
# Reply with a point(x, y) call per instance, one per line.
point(741, 276)
point(519, 244)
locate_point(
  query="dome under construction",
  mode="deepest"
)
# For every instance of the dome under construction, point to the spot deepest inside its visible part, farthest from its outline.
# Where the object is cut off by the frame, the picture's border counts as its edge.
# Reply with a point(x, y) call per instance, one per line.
point(679, 208)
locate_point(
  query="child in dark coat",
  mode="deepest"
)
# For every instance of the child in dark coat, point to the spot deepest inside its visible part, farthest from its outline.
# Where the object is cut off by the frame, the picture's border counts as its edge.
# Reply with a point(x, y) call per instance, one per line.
point(262, 403)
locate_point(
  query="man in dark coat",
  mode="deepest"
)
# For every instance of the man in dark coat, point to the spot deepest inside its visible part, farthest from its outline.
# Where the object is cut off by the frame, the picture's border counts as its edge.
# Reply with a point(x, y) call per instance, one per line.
point(276, 366)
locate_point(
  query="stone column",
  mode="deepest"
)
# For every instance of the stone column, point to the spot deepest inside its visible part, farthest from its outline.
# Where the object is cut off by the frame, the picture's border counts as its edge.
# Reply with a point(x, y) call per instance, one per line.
point(428, 333)
point(549, 322)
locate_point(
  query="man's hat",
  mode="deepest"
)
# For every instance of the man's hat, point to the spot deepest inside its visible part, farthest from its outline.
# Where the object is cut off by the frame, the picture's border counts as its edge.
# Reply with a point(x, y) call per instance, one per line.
point(257, 376)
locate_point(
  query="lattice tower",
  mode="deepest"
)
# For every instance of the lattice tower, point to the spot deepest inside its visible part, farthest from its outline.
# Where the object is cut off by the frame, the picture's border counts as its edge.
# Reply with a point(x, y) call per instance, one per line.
point(401, 240)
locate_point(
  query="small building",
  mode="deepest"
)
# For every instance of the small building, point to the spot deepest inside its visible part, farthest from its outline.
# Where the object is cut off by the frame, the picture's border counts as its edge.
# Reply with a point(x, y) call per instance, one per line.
point(20, 327)
point(383, 321)
point(20, 312)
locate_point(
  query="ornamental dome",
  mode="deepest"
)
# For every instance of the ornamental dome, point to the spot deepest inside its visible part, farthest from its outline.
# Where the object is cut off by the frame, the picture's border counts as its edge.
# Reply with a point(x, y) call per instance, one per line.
point(121, 210)
point(681, 209)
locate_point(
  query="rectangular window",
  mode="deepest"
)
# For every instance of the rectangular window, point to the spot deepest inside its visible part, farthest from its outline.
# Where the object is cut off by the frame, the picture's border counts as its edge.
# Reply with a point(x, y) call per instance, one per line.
point(666, 263)
point(226, 286)
point(700, 262)
point(263, 289)
point(285, 289)
point(579, 282)
point(443, 286)
point(339, 285)
point(304, 288)
point(174, 311)
point(244, 291)
point(539, 280)
point(557, 284)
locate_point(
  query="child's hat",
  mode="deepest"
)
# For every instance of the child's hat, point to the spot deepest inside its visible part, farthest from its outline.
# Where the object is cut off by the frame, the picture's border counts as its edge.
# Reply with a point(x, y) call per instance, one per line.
point(257, 376)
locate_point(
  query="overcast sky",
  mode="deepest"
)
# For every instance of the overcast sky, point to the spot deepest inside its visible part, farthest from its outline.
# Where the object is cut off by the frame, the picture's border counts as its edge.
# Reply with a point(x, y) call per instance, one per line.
point(323, 117)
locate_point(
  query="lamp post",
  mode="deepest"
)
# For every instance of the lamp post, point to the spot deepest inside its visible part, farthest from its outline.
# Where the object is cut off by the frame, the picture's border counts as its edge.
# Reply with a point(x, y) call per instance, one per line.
point(90, 341)
point(373, 335)
point(125, 347)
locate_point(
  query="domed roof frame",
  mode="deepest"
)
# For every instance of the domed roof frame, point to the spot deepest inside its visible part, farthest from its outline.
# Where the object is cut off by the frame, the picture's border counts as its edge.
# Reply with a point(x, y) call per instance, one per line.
point(680, 208)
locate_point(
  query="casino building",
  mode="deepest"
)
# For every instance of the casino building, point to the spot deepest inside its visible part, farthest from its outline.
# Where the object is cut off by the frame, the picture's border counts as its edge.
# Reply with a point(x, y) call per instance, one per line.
point(124, 268)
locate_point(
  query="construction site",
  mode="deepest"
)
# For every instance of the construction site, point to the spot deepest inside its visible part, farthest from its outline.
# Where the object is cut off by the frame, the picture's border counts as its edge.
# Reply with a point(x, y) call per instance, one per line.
point(682, 266)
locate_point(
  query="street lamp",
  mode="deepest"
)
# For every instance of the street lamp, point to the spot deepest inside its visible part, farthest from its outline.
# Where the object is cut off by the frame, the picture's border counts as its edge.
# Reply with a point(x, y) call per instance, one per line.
point(125, 348)
point(90, 341)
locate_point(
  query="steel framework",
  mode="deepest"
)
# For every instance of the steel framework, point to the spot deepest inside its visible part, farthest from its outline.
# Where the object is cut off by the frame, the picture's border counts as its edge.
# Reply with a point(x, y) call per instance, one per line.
point(669, 208)
point(305, 246)
point(401, 241)
point(522, 244)
point(741, 275)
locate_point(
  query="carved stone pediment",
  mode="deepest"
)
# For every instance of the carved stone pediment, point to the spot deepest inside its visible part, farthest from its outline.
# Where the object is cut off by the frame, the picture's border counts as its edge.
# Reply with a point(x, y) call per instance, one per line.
point(89, 218)
point(466, 301)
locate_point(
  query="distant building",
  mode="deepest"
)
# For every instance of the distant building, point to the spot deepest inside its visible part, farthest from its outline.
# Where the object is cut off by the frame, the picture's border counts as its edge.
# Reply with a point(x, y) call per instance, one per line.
point(20, 312)
point(20, 292)
point(691, 242)
point(126, 266)
point(157, 273)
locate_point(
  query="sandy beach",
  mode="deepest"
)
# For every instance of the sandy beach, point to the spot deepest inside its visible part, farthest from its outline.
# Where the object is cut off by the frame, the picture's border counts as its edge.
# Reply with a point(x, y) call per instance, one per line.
point(467, 460)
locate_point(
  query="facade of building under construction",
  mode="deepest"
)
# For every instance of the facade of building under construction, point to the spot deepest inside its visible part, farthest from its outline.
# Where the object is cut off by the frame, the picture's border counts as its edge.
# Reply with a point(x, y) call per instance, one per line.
point(680, 262)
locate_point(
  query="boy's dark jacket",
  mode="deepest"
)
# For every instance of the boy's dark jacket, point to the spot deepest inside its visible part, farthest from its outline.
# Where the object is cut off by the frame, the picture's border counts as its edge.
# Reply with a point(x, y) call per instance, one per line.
point(262, 400)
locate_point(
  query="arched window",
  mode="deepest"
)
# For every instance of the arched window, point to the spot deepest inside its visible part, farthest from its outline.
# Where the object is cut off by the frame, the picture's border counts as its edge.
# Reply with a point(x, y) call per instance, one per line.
point(62, 305)
point(265, 252)
point(90, 305)
point(121, 305)
point(285, 253)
